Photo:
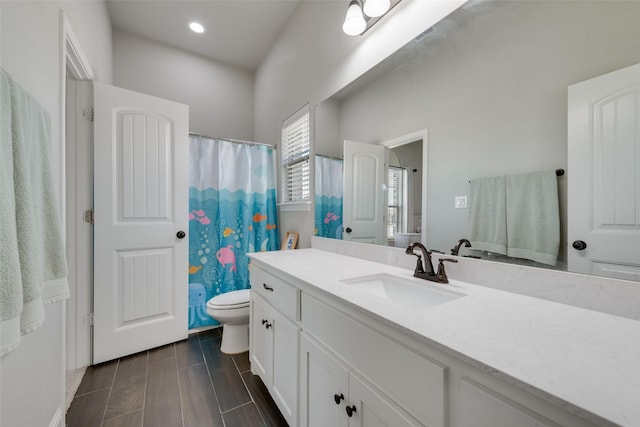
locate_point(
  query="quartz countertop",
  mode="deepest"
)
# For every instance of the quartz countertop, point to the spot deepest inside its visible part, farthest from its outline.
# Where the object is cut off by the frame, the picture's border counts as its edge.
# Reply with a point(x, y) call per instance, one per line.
point(586, 361)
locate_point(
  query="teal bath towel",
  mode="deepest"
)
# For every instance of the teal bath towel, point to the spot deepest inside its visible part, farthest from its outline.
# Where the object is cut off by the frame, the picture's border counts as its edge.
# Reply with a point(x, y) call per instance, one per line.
point(487, 214)
point(533, 217)
point(33, 268)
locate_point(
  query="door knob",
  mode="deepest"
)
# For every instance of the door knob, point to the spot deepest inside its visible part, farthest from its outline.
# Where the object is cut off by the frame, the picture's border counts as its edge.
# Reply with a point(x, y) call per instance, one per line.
point(348, 230)
point(181, 234)
point(579, 245)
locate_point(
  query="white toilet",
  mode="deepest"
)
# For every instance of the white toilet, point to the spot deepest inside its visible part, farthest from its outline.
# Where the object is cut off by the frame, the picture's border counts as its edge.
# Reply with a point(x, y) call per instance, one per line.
point(231, 309)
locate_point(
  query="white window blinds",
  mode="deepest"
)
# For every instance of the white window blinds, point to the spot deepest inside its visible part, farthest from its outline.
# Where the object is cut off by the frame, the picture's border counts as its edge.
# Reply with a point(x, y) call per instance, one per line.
point(295, 157)
point(395, 207)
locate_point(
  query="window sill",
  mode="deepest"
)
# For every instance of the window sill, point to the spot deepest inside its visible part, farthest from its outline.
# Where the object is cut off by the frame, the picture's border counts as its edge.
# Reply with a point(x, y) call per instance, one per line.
point(295, 207)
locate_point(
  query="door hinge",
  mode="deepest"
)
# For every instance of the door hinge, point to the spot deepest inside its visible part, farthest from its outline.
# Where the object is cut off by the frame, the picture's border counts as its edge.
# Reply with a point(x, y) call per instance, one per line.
point(89, 319)
point(88, 216)
point(88, 113)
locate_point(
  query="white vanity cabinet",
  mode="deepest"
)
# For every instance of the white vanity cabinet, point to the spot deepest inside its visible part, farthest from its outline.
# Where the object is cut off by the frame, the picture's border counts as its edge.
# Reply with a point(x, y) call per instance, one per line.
point(388, 383)
point(274, 339)
point(320, 353)
point(334, 395)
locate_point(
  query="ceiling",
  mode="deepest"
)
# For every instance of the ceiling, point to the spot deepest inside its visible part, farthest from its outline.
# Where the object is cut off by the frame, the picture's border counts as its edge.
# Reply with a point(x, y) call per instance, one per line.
point(238, 32)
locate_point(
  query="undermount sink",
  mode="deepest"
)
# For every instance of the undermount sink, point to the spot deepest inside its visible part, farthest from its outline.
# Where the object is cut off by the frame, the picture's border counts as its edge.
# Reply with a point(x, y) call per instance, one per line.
point(410, 293)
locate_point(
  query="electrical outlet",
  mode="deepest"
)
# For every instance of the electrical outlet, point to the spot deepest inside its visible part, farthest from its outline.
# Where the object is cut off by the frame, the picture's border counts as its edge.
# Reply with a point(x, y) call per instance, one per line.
point(461, 202)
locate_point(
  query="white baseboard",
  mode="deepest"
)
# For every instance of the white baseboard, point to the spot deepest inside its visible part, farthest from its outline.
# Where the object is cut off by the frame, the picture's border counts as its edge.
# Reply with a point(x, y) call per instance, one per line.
point(58, 419)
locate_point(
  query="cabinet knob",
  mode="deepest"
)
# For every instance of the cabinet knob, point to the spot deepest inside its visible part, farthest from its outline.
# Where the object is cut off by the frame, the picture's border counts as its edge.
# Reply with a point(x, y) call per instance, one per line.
point(264, 321)
point(338, 398)
point(267, 287)
point(351, 410)
point(348, 230)
point(181, 234)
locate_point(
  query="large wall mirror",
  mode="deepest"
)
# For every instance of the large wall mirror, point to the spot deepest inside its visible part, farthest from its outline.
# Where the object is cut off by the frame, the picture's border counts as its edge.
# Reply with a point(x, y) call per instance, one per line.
point(484, 93)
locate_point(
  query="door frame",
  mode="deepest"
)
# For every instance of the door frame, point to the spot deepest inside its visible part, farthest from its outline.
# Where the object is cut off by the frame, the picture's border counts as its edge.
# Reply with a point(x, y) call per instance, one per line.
point(422, 134)
point(76, 336)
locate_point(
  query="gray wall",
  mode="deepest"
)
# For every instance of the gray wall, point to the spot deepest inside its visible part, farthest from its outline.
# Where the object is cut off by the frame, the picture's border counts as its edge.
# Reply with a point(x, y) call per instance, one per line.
point(491, 88)
point(219, 96)
point(313, 58)
point(32, 376)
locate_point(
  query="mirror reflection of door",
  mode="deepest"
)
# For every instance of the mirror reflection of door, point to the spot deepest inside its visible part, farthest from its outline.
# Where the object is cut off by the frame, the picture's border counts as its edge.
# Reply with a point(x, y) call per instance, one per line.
point(604, 175)
point(364, 195)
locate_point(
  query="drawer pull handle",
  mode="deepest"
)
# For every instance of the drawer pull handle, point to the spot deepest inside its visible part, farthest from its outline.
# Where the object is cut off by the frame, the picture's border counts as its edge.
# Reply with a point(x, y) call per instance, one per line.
point(268, 288)
point(338, 398)
point(351, 410)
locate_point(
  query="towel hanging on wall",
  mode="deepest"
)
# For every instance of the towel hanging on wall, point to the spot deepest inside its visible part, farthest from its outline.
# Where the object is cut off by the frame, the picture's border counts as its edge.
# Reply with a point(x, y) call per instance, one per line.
point(33, 266)
point(487, 214)
point(533, 217)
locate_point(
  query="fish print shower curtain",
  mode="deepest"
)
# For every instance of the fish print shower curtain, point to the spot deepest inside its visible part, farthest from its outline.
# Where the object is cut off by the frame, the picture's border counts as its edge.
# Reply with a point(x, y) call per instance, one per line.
point(328, 221)
point(232, 204)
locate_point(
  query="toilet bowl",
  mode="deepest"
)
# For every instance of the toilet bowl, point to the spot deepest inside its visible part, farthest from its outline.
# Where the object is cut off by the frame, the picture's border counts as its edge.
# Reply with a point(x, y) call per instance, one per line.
point(231, 309)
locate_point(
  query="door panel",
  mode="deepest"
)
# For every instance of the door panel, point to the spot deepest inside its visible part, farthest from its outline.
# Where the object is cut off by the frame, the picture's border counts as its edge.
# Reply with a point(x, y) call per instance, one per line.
point(141, 190)
point(364, 196)
point(604, 174)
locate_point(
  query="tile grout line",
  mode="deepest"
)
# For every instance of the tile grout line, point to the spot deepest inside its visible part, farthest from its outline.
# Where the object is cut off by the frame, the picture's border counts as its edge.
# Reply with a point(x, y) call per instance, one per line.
point(175, 353)
point(113, 381)
point(215, 394)
point(144, 393)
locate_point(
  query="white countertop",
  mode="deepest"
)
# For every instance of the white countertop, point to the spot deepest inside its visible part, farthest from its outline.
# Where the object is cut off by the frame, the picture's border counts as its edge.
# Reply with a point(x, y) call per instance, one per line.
point(586, 360)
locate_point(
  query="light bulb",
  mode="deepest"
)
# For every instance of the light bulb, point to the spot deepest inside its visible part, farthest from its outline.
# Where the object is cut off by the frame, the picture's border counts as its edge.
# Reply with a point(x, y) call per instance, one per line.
point(196, 27)
point(354, 23)
point(375, 8)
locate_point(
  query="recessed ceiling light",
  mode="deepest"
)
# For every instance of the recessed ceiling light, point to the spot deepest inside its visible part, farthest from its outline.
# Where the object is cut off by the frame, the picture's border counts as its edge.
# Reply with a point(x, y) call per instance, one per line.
point(196, 27)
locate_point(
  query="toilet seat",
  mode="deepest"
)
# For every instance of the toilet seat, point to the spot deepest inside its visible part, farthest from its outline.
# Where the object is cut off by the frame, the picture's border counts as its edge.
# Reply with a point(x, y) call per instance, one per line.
point(230, 300)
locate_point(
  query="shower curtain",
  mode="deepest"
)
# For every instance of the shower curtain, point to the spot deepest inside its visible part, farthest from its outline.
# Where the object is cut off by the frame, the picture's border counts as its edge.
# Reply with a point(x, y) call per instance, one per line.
point(232, 211)
point(328, 220)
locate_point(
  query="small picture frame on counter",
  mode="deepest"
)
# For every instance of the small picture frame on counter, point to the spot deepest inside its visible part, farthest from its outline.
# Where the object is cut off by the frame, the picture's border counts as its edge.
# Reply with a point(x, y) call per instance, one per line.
point(290, 241)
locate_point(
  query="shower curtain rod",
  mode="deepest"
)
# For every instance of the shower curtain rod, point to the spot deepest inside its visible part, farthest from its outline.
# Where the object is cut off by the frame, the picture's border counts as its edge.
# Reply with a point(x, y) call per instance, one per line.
point(235, 141)
point(329, 157)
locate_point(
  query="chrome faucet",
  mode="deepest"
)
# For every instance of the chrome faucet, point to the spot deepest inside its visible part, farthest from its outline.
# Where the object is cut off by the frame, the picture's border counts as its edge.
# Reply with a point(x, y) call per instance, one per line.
point(426, 271)
point(456, 248)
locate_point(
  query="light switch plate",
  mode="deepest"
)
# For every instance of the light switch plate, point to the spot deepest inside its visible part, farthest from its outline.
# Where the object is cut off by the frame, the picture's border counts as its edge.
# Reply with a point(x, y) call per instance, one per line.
point(461, 202)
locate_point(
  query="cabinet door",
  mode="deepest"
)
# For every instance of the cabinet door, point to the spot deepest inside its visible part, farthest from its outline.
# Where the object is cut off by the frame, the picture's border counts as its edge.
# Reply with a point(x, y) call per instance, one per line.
point(323, 381)
point(369, 408)
point(261, 349)
point(285, 366)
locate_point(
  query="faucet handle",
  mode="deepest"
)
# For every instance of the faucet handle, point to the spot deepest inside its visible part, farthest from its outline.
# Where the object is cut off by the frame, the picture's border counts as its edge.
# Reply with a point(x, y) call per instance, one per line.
point(442, 275)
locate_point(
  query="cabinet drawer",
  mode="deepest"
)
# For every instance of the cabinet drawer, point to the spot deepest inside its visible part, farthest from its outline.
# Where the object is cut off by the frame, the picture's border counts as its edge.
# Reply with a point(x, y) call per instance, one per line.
point(415, 383)
point(277, 292)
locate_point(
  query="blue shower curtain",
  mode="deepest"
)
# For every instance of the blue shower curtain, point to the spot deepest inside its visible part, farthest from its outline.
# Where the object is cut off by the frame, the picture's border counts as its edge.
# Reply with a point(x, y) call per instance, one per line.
point(328, 220)
point(232, 211)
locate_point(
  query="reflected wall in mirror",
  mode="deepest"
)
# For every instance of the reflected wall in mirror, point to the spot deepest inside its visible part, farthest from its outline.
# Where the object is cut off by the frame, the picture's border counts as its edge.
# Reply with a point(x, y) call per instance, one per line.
point(489, 82)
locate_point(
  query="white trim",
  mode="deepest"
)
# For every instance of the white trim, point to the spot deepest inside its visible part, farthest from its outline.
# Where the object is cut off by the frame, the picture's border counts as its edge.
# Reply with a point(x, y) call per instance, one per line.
point(58, 419)
point(295, 207)
point(423, 135)
point(72, 62)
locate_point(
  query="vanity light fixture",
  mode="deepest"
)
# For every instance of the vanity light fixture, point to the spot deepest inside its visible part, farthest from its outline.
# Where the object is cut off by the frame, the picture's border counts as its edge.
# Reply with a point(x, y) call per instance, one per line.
point(354, 23)
point(196, 27)
point(362, 16)
point(375, 8)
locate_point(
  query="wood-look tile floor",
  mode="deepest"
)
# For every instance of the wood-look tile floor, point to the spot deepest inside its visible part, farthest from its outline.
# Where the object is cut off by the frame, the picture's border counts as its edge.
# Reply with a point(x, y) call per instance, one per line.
point(186, 384)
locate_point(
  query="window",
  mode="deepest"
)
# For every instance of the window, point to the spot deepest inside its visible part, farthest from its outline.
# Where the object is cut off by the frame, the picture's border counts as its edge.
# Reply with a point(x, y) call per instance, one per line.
point(295, 158)
point(396, 190)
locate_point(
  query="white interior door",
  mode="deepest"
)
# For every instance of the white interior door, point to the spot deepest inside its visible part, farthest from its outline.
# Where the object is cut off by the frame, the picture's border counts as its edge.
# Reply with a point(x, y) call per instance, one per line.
point(364, 196)
point(604, 175)
point(141, 203)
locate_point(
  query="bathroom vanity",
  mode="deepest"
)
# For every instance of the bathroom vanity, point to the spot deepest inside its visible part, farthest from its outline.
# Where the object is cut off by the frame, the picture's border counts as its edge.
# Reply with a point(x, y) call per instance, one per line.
point(341, 341)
